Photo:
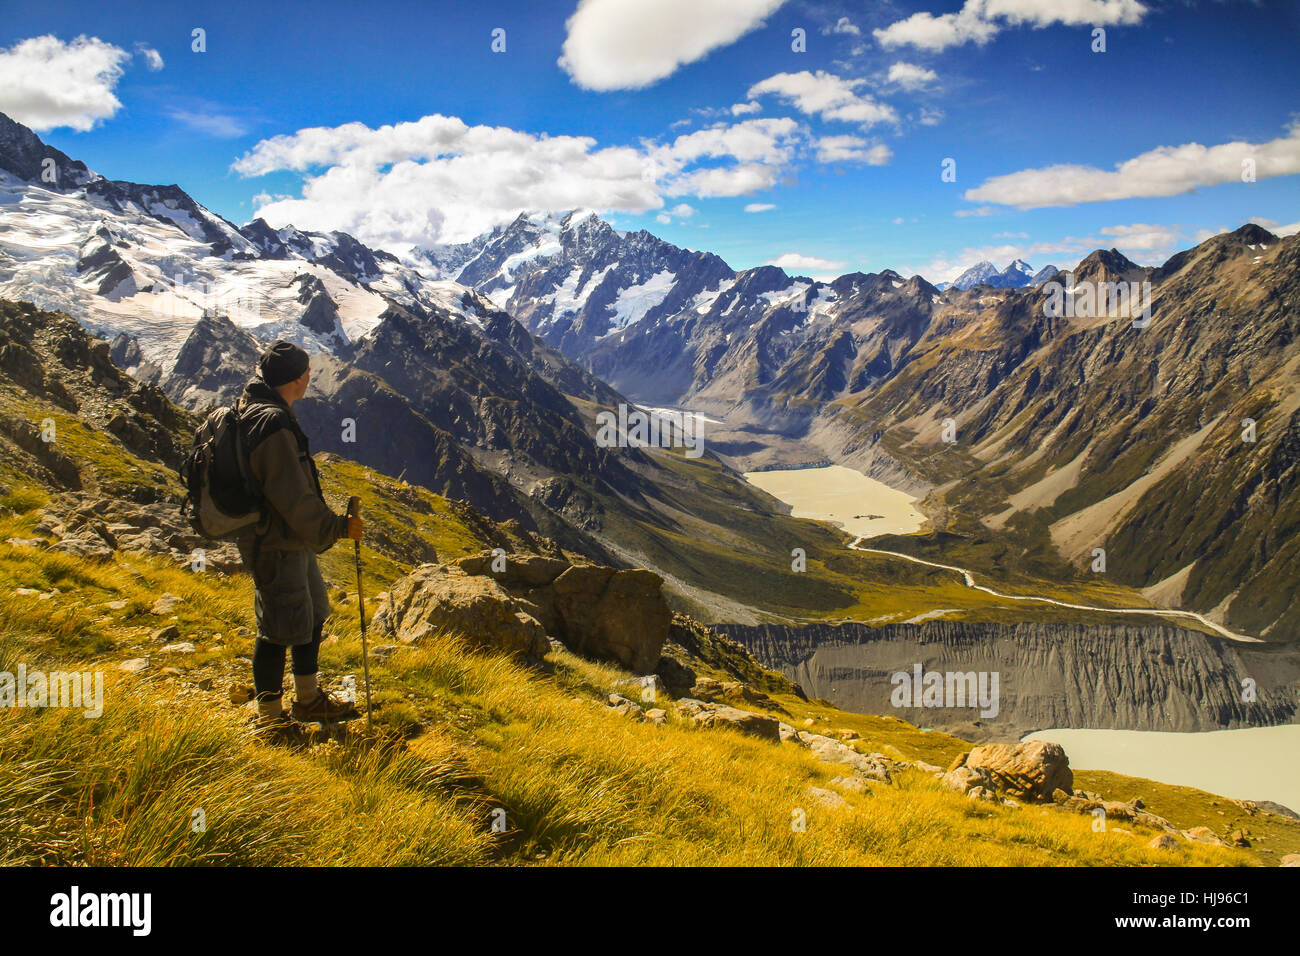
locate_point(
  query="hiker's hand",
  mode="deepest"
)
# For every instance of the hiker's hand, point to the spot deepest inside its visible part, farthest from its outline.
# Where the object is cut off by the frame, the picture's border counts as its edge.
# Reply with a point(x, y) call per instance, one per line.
point(355, 527)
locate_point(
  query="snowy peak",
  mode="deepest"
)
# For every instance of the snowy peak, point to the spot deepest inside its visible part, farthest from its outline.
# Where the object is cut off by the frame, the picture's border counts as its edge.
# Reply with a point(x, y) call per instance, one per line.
point(980, 273)
point(574, 279)
point(1016, 275)
point(335, 250)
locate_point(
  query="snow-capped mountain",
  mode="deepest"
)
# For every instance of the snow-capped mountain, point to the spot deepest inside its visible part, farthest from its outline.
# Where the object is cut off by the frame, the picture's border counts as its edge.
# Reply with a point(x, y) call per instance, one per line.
point(573, 279)
point(1016, 275)
point(187, 300)
point(147, 262)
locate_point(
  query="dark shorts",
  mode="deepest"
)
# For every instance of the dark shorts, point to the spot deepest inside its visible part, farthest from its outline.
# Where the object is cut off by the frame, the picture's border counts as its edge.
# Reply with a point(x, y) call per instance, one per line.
point(290, 599)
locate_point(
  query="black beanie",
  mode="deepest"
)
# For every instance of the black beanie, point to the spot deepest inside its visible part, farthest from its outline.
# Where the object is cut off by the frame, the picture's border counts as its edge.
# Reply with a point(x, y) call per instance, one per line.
point(282, 363)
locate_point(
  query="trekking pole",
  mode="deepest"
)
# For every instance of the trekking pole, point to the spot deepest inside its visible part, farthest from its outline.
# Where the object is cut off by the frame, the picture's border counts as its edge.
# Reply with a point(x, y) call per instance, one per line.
point(354, 510)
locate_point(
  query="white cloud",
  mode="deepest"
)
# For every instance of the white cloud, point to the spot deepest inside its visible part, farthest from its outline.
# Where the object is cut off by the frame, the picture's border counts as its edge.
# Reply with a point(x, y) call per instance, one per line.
point(879, 155)
point(214, 124)
point(931, 117)
point(152, 58)
point(979, 21)
point(980, 211)
point(826, 95)
point(740, 109)
point(910, 76)
point(440, 180)
point(843, 25)
point(628, 44)
point(759, 207)
point(761, 140)
point(1143, 237)
point(1164, 171)
point(46, 83)
point(814, 266)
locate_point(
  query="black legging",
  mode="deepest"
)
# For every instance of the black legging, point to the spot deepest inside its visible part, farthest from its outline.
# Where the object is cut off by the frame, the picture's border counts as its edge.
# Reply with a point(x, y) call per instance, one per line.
point(268, 664)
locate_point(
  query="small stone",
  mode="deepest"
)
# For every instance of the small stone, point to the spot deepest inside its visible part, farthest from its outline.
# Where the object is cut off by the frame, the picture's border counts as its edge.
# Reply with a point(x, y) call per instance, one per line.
point(117, 605)
point(1239, 838)
point(184, 647)
point(241, 693)
point(165, 605)
point(205, 684)
point(382, 652)
point(1203, 835)
point(165, 635)
point(827, 798)
point(658, 716)
point(1291, 859)
point(1163, 842)
point(170, 672)
point(852, 784)
point(242, 632)
point(28, 592)
point(621, 705)
point(135, 665)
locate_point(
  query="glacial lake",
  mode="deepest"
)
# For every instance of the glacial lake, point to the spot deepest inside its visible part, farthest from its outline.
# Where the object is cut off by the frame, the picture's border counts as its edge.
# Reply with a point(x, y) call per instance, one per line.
point(861, 505)
point(1254, 763)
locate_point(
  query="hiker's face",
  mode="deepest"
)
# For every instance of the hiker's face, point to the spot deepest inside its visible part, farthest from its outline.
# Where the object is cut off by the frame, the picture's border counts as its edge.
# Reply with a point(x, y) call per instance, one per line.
point(300, 386)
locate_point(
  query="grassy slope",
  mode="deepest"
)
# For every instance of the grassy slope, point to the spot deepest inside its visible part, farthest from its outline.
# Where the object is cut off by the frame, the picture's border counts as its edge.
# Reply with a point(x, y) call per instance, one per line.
point(459, 735)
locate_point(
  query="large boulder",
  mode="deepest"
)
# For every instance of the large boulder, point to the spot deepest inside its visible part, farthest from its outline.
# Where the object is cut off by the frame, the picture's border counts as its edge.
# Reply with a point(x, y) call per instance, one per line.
point(603, 613)
point(618, 616)
point(1030, 770)
point(434, 599)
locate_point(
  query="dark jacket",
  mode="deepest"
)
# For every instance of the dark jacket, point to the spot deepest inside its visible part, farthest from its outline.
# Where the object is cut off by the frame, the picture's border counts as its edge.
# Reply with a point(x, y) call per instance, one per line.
point(298, 519)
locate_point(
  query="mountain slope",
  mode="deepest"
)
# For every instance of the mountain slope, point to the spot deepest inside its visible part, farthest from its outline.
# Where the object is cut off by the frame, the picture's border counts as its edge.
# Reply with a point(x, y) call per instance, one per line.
point(1102, 435)
point(459, 732)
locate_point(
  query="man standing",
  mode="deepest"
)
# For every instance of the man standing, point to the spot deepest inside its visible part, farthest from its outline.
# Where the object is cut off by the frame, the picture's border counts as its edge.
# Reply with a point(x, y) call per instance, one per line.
point(291, 603)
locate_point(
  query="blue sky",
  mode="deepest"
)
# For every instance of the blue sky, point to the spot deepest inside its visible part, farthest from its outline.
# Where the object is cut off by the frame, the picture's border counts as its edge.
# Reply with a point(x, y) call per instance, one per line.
point(399, 123)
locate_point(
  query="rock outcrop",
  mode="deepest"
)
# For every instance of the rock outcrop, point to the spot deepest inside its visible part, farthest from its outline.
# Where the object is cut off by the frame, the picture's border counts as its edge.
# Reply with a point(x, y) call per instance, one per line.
point(1032, 770)
point(604, 613)
point(90, 526)
point(436, 598)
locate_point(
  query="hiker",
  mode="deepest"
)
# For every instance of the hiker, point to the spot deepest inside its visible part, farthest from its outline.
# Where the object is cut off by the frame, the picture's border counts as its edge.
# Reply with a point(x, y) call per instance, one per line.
point(291, 603)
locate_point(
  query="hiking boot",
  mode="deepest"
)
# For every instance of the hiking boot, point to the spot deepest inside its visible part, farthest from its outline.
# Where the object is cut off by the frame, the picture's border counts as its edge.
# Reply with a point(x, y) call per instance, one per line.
point(279, 726)
point(324, 709)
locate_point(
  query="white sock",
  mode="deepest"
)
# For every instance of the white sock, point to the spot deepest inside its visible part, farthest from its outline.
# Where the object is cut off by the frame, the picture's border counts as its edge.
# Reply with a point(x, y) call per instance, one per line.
point(305, 687)
point(272, 707)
